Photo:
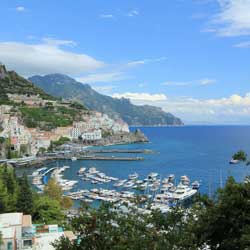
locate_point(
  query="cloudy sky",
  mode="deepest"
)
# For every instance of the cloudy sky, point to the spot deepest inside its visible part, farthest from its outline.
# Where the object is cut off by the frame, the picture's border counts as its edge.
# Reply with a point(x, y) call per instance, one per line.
point(190, 57)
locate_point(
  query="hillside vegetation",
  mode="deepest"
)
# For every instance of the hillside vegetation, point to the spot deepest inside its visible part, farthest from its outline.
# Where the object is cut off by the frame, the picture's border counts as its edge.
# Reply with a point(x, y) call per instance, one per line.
point(12, 83)
point(46, 116)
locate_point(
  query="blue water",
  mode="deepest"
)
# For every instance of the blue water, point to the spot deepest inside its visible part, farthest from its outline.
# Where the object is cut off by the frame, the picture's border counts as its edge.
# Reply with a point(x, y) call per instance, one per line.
point(200, 152)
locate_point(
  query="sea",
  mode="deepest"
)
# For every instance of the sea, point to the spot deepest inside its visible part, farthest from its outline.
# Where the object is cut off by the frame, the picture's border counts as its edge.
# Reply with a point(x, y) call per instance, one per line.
point(200, 152)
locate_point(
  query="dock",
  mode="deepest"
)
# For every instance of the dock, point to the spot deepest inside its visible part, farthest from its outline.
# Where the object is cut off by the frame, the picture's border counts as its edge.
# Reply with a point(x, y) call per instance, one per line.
point(99, 158)
point(124, 151)
point(103, 158)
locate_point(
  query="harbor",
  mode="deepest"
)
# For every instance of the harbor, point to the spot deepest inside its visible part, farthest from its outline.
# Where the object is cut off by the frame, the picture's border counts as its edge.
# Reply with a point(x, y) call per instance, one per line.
point(145, 194)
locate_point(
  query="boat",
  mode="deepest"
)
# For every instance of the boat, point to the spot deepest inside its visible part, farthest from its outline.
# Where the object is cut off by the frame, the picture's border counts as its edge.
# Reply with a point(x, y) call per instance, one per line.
point(183, 192)
point(81, 171)
point(185, 180)
point(234, 161)
point(120, 183)
point(129, 184)
point(93, 170)
point(171, 178)
point(73, 158)
point(152, 176)
point(133, 176)
point(195, 185)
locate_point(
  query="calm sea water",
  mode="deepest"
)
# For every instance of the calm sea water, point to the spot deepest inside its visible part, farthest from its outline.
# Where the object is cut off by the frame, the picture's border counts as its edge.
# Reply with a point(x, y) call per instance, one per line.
point(200, 152)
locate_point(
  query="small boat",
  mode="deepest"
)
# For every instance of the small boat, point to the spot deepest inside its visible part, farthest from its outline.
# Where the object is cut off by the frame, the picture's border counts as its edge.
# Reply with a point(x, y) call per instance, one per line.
point(87, 200)
point(73, 159)
point(133, 176)
point(233, 161)
point(152, 176)
point(195, 185)
point(129, 184)
point(81, 171)
point(120, 183)
point(171, 178)
point(185, 180)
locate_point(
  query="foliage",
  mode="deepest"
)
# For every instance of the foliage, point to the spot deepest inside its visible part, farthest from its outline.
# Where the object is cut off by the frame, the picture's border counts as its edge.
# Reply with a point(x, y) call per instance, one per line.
point(8, 189)
point(24, 196)
point(45, 118)
point(54, 191)
point(16, 195)
point(47, 210)
point(77, 105)
point(240, 155)
point(1, 239)
point(54, 144)
point(15, 84)
point(106, 134)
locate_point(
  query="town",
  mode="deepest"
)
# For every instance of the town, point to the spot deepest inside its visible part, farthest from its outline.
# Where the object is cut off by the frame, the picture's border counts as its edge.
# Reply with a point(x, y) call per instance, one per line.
point(91, 127)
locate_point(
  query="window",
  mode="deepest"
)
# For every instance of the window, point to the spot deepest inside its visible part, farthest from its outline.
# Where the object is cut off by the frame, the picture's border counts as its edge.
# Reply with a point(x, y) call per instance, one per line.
point(27, 243)
point(9, 246)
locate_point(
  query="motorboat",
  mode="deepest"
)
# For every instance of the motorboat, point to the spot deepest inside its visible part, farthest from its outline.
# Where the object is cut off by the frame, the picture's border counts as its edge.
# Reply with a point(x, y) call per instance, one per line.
point(152, 176)
point(183, 192)
point(195, 185)
point(81, 171)
point(133, 176)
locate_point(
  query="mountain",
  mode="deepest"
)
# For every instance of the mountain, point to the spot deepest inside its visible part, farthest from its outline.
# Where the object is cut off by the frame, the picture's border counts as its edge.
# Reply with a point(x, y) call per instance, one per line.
point(12, 83)
point(66, 87)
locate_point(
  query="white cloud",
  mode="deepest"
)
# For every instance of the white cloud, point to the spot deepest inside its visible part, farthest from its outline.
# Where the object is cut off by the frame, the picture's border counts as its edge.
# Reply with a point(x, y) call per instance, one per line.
point(243, 45)
point(201, 82)
point(102, 77)
point(133, 13)
point(145, 61)
point(58, 42)
point(20, 8)
point(206, 81)
point(228, 110)
point(106, 16)
point(141, 96)
point(46, 57)
point(233, 18)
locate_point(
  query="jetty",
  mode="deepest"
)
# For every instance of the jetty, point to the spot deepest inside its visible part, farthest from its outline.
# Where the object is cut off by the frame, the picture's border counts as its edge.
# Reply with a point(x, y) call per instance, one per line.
point(124, 151)
point(97, 158)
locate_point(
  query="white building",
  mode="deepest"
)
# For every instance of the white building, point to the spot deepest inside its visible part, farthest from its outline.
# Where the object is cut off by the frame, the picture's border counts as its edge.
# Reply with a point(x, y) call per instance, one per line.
point(75, 133)
point(94, 135)
point(13, 227)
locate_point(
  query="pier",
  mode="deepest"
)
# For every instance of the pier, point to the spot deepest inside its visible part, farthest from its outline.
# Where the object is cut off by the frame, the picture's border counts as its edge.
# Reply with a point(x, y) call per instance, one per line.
point(124, 151)
point(98, 158)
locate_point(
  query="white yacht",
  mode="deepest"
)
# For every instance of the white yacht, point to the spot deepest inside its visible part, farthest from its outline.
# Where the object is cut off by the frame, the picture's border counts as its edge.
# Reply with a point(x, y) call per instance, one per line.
point(152, 176)
point(81, 171)
point(183, 192)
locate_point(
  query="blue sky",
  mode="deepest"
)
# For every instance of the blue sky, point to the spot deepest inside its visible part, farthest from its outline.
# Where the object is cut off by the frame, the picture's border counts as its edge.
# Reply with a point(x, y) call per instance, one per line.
point(190, 57)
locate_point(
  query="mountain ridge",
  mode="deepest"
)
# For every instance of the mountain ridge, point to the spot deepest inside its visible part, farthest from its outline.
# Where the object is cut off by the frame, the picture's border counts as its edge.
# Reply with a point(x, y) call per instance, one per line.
point(66, 87)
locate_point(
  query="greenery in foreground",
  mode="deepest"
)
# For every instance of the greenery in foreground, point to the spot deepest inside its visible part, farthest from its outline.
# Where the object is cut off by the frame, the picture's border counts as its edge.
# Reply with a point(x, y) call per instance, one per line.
point(16, 195)
point(222, 223)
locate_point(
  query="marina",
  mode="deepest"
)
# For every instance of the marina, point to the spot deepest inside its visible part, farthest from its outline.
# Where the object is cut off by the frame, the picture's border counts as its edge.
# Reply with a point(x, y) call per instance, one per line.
point(152, 192)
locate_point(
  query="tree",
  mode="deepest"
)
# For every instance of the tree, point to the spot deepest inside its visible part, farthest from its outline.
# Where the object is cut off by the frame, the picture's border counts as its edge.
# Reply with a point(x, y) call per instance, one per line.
point(225, 224)
point(54, 191)
point(48, 211)
point(240, 156)
point(24, 196)
point(3, 198)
